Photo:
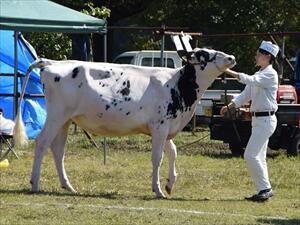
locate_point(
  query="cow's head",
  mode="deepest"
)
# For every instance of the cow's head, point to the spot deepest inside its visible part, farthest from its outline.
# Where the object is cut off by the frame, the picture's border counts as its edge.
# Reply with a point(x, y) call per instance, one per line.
point(212, 61)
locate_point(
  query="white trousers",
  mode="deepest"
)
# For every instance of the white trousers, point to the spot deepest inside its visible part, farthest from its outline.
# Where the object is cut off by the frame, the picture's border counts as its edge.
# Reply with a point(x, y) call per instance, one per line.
point(256, 150)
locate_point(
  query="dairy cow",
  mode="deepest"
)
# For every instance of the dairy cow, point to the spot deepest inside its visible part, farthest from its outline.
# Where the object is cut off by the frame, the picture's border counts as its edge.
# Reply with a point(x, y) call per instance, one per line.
point(115, 100)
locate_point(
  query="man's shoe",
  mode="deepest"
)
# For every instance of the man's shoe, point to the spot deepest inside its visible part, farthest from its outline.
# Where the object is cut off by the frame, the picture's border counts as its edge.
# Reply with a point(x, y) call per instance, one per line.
point(262, 196)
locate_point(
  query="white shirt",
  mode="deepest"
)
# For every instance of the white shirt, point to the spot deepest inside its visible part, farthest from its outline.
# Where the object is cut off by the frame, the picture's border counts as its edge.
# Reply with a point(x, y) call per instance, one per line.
point(261, 89)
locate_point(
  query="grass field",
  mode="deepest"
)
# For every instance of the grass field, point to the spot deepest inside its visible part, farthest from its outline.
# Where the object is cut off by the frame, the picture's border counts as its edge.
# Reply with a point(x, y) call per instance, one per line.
point(210, 189)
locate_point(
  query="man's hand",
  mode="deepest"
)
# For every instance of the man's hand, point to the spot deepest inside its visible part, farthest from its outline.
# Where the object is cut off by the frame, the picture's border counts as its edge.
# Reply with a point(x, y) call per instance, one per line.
point(232, 73)
point(225, 108)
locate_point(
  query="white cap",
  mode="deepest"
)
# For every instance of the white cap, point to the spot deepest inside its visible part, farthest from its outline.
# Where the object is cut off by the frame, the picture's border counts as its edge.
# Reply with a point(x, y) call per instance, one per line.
point(269, 47)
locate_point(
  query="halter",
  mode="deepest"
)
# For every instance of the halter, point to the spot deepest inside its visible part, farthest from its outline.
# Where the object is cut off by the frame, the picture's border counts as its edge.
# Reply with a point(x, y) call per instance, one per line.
point(213, 59)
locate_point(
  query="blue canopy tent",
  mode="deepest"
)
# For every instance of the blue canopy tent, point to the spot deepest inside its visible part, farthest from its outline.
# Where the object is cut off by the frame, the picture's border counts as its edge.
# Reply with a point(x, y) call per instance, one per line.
point(16, 56)
point(33, 106)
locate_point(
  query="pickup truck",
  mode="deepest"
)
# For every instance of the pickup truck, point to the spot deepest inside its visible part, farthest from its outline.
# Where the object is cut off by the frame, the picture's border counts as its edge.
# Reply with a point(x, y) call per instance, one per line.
point(149, 58)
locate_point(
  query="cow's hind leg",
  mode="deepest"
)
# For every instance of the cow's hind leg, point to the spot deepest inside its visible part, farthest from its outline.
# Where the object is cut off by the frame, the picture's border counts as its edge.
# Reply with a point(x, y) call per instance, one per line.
point(58, 151)
point(43, 142)
point(170, 149)
point(158, 142)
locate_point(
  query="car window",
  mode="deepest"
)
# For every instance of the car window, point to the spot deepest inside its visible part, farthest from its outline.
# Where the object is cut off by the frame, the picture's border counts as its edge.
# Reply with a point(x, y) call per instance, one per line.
point(124, 60)
point(147, 61)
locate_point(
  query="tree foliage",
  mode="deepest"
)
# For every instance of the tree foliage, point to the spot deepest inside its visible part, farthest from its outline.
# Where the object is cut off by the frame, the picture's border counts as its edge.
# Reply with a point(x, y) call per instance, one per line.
point(208, 17)
point(234, 16)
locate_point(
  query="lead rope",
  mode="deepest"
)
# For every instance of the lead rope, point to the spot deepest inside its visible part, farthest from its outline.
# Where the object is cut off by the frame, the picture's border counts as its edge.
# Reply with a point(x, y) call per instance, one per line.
point(228, 110)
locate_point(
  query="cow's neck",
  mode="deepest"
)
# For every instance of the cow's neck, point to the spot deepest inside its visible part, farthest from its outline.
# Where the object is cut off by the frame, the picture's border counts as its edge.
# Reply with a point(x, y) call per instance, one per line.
point(192, 83)
point(204, 80)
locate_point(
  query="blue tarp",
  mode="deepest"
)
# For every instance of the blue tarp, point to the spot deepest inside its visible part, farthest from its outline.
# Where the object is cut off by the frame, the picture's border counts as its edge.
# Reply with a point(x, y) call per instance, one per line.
point(33, 109)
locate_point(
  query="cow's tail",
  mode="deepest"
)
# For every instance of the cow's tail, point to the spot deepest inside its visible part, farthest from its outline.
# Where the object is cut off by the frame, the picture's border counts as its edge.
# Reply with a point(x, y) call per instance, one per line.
point(19, 132)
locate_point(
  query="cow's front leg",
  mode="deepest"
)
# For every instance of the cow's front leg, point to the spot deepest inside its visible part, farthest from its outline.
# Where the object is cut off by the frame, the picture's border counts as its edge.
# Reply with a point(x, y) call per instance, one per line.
point(158, 141)
point(170, 149)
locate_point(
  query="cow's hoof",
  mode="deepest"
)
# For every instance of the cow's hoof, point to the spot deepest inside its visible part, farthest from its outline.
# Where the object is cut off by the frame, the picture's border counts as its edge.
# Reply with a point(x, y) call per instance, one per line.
point(169, 190)
point(34, 188)
point(69, 188)
point(160, 196)
point(33, 192)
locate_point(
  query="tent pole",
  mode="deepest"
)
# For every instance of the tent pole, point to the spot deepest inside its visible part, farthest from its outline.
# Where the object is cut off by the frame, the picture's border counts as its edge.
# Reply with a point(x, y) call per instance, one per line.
point(105, 60)
point(15, 106)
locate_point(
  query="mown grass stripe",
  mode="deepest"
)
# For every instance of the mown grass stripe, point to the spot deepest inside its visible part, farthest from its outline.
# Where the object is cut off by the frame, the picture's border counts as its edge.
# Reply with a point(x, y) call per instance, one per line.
point(130, 208)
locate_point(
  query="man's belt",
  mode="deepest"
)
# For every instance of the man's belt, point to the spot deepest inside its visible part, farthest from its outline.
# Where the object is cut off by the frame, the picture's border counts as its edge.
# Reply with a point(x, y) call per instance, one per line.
point(266, 113)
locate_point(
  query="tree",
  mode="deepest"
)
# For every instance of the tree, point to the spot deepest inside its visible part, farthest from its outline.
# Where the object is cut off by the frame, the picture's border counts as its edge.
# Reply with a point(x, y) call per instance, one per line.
point(234, 16)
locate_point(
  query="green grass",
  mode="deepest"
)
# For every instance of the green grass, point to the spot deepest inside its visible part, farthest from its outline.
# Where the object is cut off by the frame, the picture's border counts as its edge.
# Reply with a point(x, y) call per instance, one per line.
point(210, 189)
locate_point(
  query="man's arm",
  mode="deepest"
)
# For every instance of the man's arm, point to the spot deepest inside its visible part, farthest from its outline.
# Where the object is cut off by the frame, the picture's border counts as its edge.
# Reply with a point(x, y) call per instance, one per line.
point(232, 73)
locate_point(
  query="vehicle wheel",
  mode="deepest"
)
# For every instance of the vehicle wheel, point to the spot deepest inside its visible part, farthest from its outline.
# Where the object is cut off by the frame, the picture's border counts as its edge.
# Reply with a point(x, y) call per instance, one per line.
point(294, 148)
point(236, 149)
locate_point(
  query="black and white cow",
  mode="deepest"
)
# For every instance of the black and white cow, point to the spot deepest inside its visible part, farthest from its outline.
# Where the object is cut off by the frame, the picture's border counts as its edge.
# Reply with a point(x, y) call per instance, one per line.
point(115, 100)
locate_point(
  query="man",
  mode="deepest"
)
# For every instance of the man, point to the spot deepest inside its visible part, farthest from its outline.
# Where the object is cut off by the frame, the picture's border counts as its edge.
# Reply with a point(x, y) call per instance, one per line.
point(261, 89)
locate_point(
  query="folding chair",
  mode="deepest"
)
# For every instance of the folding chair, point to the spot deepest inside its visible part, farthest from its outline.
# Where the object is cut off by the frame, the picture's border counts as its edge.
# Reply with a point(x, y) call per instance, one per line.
point(6, 145)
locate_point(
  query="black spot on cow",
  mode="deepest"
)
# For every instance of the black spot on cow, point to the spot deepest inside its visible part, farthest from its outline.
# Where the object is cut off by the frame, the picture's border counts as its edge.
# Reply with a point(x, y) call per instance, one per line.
point(187, 86)
point(75, 72)
point(126, 91)
point(56, 79)
point(80, 85)
point(141, 107)
point(127, 113)
point(115, 104)
point(167, 85)
point(107, 107)
point(100, 95)
point(100, 83)
point(158, 111)
point(176, 103)
point(117, 80)
point(127, 99)
point(203, 58)
point(161, 122)
point(185, 94)
point(121, 73)
point(120, 109)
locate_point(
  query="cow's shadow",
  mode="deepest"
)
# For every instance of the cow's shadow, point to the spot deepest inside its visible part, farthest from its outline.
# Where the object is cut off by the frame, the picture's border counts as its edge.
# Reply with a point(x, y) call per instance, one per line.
point(106, 195)
point(110, 195)
point(280, 221)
